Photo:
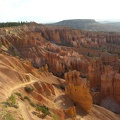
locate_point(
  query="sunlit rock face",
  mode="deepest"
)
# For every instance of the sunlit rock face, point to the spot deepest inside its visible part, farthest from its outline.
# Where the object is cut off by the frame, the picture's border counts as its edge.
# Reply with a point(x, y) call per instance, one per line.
point(78, 90)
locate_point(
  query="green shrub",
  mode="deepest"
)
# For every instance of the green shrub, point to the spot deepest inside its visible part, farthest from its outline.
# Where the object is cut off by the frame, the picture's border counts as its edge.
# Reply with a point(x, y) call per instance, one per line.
point(27, 98)
point(22, 98)
point(18, 94)
point(55, 117)
point(15, 106)
point(43, 109)
point(11, 102)
point(32, 104)
point(28, 89)
point(6, 104)
point(8, 116)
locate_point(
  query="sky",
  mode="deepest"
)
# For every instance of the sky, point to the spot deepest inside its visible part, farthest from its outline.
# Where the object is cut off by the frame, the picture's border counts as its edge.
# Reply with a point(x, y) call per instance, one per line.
point(46, 11)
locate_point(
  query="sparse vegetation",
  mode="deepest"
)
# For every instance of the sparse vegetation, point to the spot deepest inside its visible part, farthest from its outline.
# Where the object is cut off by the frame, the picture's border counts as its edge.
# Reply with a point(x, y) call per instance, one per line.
point(55, 117)
point(11, 102)
point(28, 89)
point(43, 109)
point(7, 116)
point(27, 98)
point(32, 104)
point(22, 98)
point(18, 94)
point(15, 106)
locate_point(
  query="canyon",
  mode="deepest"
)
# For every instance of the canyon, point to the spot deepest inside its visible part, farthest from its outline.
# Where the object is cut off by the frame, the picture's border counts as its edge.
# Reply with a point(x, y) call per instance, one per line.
point(74, 73)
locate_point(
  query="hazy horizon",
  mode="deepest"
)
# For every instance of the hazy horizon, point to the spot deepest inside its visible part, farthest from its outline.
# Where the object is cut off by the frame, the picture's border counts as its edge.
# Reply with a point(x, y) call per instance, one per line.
point(97, 20)
point(45, 11)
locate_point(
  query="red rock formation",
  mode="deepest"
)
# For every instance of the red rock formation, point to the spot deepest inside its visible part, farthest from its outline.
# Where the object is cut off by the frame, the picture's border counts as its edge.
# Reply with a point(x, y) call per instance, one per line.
point(94, 73)
point(71, 112)
point(110, 81)
point(80, 94)
point(116, 86)
point(78, 90)
point(44, 89)
point(101, 74)
point(107, 82)
point(73, 77)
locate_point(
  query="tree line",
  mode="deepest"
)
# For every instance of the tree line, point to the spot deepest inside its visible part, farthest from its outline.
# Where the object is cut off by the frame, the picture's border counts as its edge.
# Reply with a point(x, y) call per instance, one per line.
point(9, 24)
